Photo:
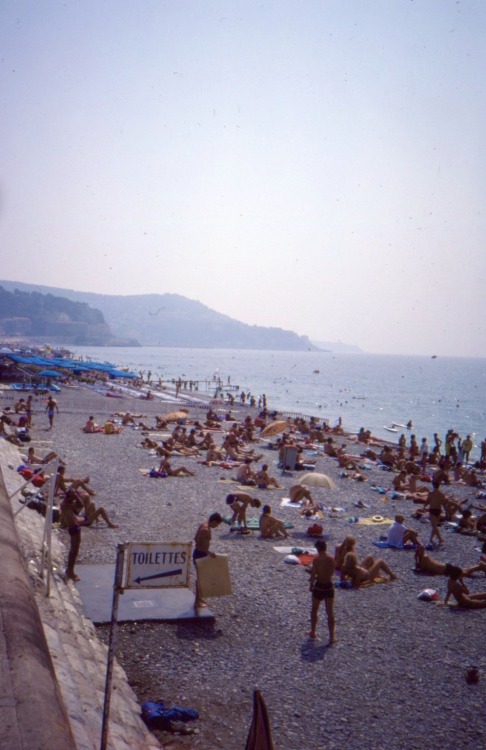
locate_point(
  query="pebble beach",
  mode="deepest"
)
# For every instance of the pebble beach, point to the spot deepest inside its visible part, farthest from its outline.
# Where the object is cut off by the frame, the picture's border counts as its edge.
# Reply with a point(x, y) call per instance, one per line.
point(396, 676)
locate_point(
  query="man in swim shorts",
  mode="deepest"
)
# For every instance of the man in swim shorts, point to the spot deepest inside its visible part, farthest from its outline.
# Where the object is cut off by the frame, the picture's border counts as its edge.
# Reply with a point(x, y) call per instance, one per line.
point(202, 541)
point(322, 588)
point(51, 409)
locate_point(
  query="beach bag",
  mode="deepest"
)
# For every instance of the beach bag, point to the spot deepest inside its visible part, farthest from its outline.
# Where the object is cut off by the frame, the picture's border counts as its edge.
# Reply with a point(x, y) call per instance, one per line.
point(156, 716)
point(428, 595)
point(315, 530)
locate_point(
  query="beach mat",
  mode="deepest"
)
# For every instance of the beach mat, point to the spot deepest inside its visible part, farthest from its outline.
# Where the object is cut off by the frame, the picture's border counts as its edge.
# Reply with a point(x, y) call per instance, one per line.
point(252, 523)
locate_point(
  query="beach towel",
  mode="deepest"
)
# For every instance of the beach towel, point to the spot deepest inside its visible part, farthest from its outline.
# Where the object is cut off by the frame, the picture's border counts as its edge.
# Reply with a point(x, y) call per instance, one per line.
point(153, 473)
point(291, 560)
point(381, 490)
point(375, 521)
point(287, 502)
point(295, 550)
point(252, 523)
point(305, 558)
point(384, 545)
point(378, 579)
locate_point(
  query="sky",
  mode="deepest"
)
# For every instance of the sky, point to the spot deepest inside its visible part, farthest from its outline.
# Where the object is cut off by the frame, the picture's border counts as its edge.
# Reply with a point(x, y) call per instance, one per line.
point(315, 165)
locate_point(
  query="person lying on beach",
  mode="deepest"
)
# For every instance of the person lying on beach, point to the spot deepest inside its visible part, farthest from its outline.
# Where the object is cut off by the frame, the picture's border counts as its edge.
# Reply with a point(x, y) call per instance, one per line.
point(399, 535)
point(239, 502)
point(458, 589)
point(367, 571)
point(481, 520)
point(270, 526)
point(181, 471)
point(368, 453)
point(264, 480)
point(33, 459)
point(467, 522)
point(91, 426)
point(64, 483)
point(345, 460)
point(236, 452)
point(110, 429)
point(322, 589)
point(177, 445)
point(6, 433)
point(416, 490)
point(472, 479)
point(127, 419)
point(427, 564)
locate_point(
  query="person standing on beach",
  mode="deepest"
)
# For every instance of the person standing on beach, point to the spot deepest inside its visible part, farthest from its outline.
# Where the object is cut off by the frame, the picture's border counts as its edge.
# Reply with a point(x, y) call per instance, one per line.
point(51, 409)
point(322, 589)
point(73, 523)
point(436, 500)
point(202, 541)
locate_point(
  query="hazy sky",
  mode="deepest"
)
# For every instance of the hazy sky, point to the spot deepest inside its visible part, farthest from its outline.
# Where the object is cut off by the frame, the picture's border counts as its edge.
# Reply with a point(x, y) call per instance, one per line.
point(317, 165)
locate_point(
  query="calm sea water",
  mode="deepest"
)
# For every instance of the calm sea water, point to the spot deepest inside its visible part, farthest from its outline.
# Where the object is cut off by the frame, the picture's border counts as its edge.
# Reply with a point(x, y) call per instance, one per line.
point(363, 389)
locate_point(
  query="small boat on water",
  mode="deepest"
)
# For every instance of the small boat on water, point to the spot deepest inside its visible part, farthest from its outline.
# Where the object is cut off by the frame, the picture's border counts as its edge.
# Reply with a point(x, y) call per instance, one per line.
point(390, 429)
point(398, 424)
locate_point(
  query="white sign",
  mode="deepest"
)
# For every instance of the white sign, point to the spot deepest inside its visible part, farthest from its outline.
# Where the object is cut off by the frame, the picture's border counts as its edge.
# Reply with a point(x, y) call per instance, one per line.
point(158, 564)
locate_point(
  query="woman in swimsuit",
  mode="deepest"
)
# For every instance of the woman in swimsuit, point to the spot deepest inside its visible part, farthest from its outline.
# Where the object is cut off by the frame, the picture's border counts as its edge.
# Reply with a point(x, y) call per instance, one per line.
point(367, 571)
point(458, 589)
point(426, 564)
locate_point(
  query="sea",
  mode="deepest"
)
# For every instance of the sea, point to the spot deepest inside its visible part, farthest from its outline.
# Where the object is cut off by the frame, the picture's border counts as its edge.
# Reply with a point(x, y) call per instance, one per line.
point(363, 390)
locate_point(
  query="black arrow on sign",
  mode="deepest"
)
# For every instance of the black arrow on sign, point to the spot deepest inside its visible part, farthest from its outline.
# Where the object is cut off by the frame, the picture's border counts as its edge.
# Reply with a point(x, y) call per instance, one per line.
point(168, 574)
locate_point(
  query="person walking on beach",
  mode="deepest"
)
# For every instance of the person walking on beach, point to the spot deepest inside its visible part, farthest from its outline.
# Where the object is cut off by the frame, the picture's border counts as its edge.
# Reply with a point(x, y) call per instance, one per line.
point(322, 589)
point(51, 409)
point(202, 541)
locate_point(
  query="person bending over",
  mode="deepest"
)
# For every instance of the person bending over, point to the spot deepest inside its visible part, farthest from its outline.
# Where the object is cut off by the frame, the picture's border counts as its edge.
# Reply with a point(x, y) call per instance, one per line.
point(239, 502)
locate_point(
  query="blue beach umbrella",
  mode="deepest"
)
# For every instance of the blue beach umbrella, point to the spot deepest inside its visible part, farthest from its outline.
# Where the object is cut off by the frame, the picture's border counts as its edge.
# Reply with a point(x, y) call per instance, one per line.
point(49, 374)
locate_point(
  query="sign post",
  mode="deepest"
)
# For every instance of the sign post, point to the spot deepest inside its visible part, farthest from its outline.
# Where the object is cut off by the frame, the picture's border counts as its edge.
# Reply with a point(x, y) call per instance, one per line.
point(148, 565)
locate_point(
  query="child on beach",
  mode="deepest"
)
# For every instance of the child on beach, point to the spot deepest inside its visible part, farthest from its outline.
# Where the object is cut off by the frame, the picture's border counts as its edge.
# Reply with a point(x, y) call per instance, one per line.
point(322, 589)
